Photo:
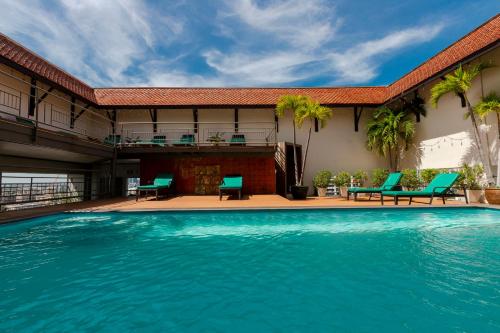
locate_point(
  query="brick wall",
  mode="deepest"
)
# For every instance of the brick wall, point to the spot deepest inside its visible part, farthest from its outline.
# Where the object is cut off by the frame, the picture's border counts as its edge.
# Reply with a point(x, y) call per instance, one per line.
point(200, 175)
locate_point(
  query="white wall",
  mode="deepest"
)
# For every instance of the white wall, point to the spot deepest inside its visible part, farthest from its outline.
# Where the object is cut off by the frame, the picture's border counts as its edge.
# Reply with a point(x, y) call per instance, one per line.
point(444, 139)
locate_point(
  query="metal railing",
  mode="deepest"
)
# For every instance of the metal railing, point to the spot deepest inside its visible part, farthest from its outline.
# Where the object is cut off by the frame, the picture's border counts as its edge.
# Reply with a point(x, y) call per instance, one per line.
point(56, 116)
point(196, 134)
point(22, 192)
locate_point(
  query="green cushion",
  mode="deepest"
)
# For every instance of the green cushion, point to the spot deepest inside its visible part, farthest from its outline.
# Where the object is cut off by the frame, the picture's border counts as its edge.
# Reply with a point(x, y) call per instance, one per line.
point(152, 187)
point(391, 182)
point(442, 182)
point(365, 190)
point(164, 179)
point(231, 182)
point(439, 185)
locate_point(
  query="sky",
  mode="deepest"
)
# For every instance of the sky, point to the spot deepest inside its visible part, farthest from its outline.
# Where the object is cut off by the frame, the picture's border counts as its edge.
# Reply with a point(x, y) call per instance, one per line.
point(235, 43)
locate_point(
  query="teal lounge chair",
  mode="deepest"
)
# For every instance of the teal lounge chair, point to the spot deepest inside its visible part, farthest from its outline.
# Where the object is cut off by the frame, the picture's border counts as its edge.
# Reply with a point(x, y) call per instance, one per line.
point(186, 140)
point(163, 181)
point(159, 140)
point(237, 140)
point(439, 187)
point(232, 183)
point(390, 184)
point(113, 139)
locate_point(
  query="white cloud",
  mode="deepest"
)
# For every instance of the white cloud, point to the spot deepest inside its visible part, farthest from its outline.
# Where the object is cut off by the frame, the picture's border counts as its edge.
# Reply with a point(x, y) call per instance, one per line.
point(94, 40)
point(358, 64)
point(299, 23)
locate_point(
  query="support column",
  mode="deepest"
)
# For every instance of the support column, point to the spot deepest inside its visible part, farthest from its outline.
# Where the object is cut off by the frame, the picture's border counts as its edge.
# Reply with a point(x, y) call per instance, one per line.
point(32, 99)
point(113, 174)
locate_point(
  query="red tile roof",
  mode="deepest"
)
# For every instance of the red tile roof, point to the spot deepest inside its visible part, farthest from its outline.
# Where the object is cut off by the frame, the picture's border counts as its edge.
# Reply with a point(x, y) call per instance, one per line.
point(235, 96)
point(485, 36)
point(27, 59)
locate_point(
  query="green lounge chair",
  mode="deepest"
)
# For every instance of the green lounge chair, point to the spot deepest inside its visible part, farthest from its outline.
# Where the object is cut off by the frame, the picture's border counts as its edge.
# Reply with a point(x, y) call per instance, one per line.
point(186, 140)
point(237, 140)
point(113, 139)
point(159, 140)
point(163, 181)
point(390, 183)
point(439, 187)
point(231, 183)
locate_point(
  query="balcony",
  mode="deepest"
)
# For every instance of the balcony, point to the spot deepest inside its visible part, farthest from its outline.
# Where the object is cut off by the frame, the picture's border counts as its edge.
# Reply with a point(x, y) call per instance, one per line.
point(196, 136)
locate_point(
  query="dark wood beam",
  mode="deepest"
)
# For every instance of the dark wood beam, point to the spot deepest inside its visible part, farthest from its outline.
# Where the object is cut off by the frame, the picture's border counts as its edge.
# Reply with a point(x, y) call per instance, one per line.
point(357, 117)
point(195, 120)
point(72, 110)
point(40, 100)
point(316, 125)
point(32, 99)
point(153, 113)
point(112, 118)
point(236, 120)
point(82, 112)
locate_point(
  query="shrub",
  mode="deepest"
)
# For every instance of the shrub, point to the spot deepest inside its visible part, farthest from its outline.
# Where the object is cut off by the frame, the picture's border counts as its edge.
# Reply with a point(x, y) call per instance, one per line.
point(322, 178)
point(428, 175)
point(379, 176)
point(343, 178)
point(469, 177)
point(360, 176)
point(410, 179)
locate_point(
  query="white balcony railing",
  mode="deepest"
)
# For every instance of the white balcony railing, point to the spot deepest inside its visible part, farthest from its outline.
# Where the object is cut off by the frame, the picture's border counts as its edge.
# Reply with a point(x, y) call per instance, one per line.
point(189, 134)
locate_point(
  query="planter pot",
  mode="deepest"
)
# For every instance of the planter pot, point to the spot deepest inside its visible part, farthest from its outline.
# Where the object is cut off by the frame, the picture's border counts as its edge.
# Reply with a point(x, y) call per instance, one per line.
point(299, 192)
point(321, 191)
point(475, 196)
point(492, 196)
point(343, 191)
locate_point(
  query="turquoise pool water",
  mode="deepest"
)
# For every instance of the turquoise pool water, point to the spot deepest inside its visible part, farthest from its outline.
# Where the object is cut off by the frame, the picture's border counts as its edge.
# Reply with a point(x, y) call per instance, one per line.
point(415, 270)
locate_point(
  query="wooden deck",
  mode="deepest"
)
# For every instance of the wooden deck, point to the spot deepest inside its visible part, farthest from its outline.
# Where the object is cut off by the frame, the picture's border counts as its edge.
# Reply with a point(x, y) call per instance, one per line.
point(212, 202)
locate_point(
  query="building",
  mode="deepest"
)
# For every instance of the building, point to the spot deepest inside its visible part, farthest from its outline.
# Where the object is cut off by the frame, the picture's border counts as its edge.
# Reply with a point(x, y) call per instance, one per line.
point(51, 122)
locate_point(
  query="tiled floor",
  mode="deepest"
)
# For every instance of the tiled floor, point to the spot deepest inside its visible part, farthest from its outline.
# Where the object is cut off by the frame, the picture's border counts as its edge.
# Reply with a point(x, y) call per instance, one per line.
point(212, 202)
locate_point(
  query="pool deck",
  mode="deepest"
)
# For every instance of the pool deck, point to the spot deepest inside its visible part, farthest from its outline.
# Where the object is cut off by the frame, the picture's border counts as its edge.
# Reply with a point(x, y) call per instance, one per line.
point(213, 203)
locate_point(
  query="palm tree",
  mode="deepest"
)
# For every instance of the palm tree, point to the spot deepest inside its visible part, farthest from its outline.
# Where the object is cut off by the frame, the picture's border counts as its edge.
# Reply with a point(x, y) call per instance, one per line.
point(302, 108)
point(459, 83)
point(291, 103)
point(311, 111)
point(491, 104)
point(390, 132)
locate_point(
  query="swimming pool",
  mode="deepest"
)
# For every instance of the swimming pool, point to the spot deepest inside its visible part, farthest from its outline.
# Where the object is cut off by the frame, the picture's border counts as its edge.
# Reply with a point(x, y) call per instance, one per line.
point(356, 270)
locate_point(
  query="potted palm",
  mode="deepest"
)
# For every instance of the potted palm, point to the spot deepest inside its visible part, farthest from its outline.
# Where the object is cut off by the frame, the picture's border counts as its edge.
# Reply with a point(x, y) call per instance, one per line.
point(470, 180)
point(321, 181)
point(304, 110)
point(410, 180)
point(342, 181)
point(390, 133)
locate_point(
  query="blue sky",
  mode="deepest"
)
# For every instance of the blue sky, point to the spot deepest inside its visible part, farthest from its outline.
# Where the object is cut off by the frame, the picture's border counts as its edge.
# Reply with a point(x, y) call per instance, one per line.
point(240, 42)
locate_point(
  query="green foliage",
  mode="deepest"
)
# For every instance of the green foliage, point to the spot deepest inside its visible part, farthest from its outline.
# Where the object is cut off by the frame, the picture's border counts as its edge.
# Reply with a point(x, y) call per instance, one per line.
point(458, 82)
point(489, 104)
point(303, 109)
point(360, 176)
point(389, 133)
point(322, 178)
point(470, 176)
point(428, 175)
point(379, 176)
point(410, 179)
point(343, 178)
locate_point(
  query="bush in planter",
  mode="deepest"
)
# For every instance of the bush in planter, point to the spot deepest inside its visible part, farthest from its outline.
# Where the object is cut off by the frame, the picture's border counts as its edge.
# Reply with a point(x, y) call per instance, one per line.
point(469, 177)
point(427, 175)
point(379, 176)
point(360, 177)
point(321, 181)
point(342, 180)
point(410, 179)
